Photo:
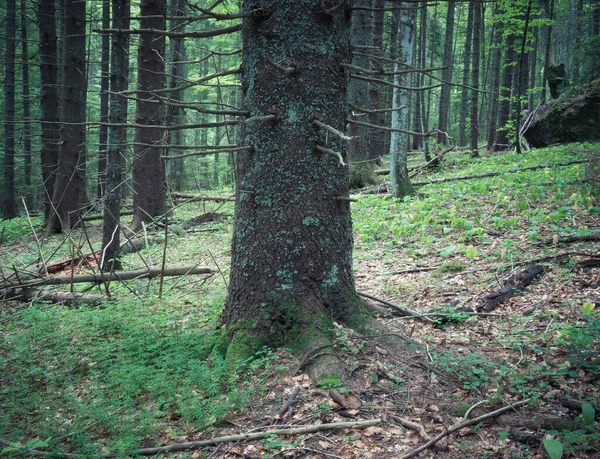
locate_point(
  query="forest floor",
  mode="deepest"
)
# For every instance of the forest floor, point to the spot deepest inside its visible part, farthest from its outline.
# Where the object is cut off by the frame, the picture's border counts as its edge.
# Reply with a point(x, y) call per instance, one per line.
point(136, 371)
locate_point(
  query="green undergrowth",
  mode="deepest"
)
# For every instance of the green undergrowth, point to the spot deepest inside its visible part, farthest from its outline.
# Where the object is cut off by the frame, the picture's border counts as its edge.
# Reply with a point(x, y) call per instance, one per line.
point(112, 377)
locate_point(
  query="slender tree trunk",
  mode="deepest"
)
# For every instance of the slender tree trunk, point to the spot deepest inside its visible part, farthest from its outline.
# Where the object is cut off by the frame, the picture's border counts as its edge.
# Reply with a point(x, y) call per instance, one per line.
point(362, 170)
point(176, 115)
point(447, 63)
point(215, 181)
point(420, 109)
point(291, 270)
point(104, 85)
point(464, 100)
point(578, 37)
point(548, 14)
point(522, 77)
point(494, 84)
point(28, 192)
point(148, 166)
point(375, 136)
point(117, 137)
point(9, 207)
point(474, 137)
point(69, 184)
point(401, 185)
point(503, 130)
point(48, 101)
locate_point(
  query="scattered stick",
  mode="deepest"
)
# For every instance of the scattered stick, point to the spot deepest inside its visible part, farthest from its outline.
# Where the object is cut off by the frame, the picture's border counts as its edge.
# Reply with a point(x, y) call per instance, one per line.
point(249, 436)
point(28, 294)
point(575, 405)
point(412, 426)
point(201, 197)
point(403, 311)
point(417, 269)
point(462, 425)
point(287, 406)
point(571, 239)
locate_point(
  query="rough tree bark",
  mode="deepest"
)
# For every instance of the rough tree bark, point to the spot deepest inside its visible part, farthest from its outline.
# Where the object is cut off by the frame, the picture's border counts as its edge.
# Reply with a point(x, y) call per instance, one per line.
point(69, 180)
point(48, 101)
point(117, 135)
point(9, 208)
point(291, 270)
point(464, 99)
point(148, 167)
point(401, 185)
point(444, 105)
point(494, 84)
point(375, 136)
point(501, 141)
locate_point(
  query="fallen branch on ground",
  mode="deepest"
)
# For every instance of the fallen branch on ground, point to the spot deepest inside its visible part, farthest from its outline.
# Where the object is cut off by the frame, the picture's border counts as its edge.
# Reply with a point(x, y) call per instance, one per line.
point(412, 426)
point(512, 286)
point(571, 239)
point(114, 276)
point(249, 436)
point(28, 294)
point(415, 169)
point(184, 197)
point(462, 425)
point(403, 311)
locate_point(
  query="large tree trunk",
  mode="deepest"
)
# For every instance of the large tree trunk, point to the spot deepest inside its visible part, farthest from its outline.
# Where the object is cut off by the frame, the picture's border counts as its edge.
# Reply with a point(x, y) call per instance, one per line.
point(69, 180)
point(117, 135)
point(401, 185)
point(474, 137)
point(494, 84)
point(148, 166)
point(291, 270)
point(446, 75)
point(48, 101)
point(28, 192)
point(9, 208)
point(104, 85)
point(362, 170)
point(547, 33)
point(464, 99)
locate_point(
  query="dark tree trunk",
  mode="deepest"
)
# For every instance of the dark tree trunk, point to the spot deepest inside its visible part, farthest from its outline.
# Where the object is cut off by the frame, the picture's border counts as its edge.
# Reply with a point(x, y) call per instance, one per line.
point(104, 84)
point(464, 100)
point(291, 270)
point(444, 105)
point(419, 80)
point(522, 77)
point(474, 137)
point(494, 84)
point(117, 136)
point(362, 170)
point(175, 115)
point(501, 141)
point(148, 166)
point(48, 101)
point(547, 32)
point(375, 136)
point(532, 79)
point(69, 179)
point(9, 207)
point(28, 192)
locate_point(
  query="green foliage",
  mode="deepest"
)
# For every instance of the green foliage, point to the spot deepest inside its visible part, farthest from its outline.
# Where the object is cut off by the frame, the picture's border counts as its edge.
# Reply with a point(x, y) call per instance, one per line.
point(554, 448)
point(17, 228)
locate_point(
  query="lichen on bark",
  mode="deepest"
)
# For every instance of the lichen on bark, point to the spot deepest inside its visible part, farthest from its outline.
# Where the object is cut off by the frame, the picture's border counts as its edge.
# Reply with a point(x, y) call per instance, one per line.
point(291, 274)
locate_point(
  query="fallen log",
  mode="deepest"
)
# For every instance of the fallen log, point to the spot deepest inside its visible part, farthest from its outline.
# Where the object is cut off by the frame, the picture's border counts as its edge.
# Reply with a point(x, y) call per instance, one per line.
point(104, 277)
point(419, 167)
point(575, 405)
point(512, 286)
point(28, 294)
point(571, 239)
point(185, 197)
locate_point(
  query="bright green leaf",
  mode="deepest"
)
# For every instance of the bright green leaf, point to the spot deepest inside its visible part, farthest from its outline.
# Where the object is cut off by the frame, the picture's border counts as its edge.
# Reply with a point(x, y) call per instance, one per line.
point(554, 448)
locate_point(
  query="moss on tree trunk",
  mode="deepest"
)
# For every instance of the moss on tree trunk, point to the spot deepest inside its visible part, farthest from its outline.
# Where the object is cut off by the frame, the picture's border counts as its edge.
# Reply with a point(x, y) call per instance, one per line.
point(291, 274)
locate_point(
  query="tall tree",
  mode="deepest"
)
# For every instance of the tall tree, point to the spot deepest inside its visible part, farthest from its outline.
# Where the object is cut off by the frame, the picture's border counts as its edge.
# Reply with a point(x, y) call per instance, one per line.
point(69, 184)
point(26, 103)
point(104, 85)
point(376, 136)
point(447, 63)
point(494, 83)
point(291, 270)
point(362, 170)
point(148, 166)
point(49, 116)
point(474, 137)
point(523, 73)
point(464, 99)
point(9, 207)
point(501, 141)
point(117, 136)
point(547, 33)
point(401, 185)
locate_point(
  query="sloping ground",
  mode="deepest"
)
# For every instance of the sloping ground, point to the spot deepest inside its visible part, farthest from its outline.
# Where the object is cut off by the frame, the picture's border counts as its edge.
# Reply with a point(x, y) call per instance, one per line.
point(135, 373)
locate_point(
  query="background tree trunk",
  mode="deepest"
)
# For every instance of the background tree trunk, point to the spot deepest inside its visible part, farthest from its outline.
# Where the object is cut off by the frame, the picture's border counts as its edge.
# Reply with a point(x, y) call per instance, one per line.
point(27, 153)
point(104, 84)
point(474, 137)
point(494, 84)
point(505, 94)
point(464, 100)
point(69, 184)
point(291, 272)
point(148, 166)
point(9, 207)
point(375, 136)
point(117, 136)
point(48, 101)
point(447, 63)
